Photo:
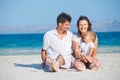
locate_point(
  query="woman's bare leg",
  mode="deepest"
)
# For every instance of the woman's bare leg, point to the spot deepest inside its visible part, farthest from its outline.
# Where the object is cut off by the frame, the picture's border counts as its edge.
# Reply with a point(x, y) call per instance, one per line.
point(95, 65)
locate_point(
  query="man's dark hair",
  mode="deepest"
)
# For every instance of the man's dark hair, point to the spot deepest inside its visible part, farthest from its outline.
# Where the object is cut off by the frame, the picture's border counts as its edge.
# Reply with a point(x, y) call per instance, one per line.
point(63, 17)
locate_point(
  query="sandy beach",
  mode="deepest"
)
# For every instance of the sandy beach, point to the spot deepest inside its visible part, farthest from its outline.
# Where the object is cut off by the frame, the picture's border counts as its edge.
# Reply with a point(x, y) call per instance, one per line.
point(27, 67)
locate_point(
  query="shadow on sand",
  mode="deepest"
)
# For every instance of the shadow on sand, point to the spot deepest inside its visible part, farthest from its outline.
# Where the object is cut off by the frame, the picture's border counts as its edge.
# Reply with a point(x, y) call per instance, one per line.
point(35, 66)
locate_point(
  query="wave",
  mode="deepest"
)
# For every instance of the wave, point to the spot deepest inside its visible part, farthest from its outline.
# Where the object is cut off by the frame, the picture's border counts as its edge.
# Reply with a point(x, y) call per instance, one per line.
point(109, 49)
point(34, 51)
point(19, 51)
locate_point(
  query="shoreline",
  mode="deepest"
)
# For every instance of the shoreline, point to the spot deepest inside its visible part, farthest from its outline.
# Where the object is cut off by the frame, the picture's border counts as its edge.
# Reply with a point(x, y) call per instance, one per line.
point(27, 67)
point(100, 53)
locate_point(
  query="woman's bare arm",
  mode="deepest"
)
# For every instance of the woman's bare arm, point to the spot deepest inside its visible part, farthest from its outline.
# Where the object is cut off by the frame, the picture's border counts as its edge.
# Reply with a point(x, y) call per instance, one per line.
point(96, 48)
point(75, 46)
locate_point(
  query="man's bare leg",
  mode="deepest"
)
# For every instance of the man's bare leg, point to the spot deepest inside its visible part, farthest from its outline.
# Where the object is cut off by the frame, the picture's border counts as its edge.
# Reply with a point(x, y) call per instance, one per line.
point(60, 60)
point(53, 64)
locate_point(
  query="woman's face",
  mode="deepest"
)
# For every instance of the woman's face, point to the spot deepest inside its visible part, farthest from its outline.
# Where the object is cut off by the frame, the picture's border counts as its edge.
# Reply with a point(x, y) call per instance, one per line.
point(83, 26)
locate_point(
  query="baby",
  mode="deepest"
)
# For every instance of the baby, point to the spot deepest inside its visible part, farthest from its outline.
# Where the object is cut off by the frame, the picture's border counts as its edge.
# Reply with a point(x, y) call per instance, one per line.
point(87, 46)
point(86, 51)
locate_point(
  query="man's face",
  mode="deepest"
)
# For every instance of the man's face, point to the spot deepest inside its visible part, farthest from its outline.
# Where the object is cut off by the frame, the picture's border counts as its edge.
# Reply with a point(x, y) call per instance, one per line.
point(64, 26)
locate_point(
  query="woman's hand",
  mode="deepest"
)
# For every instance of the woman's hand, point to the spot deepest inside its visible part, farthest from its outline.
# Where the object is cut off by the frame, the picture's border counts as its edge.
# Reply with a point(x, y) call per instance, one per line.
point(89, 58)
point(84, 59)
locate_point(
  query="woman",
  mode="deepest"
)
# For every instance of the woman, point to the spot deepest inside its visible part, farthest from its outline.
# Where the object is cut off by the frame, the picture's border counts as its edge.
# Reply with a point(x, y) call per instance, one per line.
point(80, 63)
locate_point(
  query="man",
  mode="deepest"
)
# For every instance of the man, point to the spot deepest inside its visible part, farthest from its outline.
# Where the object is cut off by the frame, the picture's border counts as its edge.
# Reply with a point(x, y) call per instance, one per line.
point(57, 45)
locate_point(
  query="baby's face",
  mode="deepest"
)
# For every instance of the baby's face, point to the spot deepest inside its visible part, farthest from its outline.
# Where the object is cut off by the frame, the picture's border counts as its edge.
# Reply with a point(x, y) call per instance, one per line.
point(87, 38)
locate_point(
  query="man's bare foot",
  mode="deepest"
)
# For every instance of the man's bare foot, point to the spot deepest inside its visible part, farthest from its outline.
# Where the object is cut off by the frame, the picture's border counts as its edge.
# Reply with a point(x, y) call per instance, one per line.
point(55, 66)
point(50, 62)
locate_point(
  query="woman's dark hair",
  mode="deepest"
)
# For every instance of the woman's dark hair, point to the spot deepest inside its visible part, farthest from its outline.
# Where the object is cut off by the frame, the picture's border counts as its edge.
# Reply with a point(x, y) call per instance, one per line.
point(83, 18)
point(63, 17)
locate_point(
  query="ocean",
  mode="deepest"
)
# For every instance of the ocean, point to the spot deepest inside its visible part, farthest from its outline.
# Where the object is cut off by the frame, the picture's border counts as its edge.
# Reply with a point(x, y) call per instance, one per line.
point(30, 44)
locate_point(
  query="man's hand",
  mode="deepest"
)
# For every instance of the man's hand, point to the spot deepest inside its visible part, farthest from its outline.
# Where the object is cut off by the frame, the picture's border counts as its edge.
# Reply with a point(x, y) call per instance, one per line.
point(43, 64)
point(43, 56)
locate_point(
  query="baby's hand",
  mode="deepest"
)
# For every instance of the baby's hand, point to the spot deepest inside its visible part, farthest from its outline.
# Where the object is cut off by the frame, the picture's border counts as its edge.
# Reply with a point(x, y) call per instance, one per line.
point(89, 58)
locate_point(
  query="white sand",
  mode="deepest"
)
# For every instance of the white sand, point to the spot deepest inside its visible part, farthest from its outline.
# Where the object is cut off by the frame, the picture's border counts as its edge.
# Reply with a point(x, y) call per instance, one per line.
point(27, 67)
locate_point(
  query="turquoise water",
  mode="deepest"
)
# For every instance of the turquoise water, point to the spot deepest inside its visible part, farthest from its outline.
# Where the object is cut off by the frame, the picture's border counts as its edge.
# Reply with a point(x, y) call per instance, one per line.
point(27, 44)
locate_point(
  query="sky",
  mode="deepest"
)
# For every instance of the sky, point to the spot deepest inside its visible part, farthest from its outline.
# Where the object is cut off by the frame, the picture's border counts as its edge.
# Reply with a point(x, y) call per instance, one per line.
point(38, 16)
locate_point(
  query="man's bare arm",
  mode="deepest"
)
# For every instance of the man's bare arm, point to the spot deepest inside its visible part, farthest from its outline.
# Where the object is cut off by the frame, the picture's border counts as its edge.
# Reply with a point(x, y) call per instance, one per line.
point(43, 56)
